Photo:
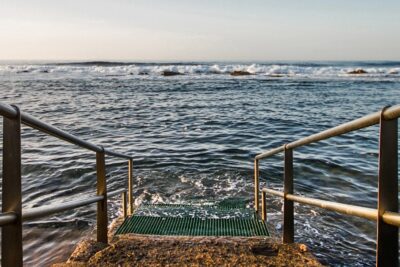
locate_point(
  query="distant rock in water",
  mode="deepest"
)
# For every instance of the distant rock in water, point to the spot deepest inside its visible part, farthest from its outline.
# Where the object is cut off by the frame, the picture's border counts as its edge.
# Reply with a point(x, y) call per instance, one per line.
point(23, 71)
point(393, 72)
point(215, 72)
point(143, 73)
point(357, 71)
point(170, 73)
point(240, 73)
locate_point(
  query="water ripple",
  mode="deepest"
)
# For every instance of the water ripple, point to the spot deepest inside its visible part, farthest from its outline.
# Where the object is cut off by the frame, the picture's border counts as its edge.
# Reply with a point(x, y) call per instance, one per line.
point(194, 139)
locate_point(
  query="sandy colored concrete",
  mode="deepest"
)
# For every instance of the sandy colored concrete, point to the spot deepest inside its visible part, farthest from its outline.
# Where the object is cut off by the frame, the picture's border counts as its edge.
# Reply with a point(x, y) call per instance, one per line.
point(142, 250)
point(150, 250)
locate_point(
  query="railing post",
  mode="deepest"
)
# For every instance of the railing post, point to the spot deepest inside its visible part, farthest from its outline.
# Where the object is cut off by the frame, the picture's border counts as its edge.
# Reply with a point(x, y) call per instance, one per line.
point(11, 234)
point(387, 250)
point(263, 206)
point(256, 185)
point(123, 200)
point(102, 218)
point(288, 211)
point(130, 186)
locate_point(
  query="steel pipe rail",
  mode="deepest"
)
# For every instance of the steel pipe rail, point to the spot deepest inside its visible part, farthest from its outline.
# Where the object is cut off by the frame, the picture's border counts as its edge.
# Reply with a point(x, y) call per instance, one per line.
point(116, 154)
point(43, 211)
point(116, 192)
point(10, 112)
point(6, 218)
point(270, 152)
point(386, 215)
point(60, 134)
point(362, 212)
point(367, 213)
point(273, 192)
point(392, 218)
point(366, 121)
point(13, 215)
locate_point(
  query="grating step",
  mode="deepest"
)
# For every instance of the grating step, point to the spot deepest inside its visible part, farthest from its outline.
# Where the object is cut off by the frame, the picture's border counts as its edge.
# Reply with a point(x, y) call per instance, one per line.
point(168, 223)
point(192, 226)
point(194, 211)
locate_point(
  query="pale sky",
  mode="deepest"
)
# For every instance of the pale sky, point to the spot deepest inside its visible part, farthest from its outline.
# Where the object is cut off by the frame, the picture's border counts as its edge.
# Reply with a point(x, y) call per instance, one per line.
point(202, 30)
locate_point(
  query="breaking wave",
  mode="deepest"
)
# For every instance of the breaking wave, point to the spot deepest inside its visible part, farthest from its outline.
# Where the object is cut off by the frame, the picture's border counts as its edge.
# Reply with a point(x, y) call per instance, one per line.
point(382, 70)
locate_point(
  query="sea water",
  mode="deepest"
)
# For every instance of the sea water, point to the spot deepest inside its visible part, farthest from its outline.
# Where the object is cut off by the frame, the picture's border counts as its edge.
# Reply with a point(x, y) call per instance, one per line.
point(193, 138)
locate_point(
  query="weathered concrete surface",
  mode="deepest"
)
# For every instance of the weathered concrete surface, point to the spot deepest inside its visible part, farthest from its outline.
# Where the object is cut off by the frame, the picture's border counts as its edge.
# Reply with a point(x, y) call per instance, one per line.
point(149, 250)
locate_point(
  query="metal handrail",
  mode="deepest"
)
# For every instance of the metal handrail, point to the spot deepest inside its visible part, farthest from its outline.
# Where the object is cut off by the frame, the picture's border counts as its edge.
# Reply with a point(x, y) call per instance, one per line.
point(10, 112)
point(392, 218)
point(386, 215)
point(7, 217)
point(12, 215)
point(43, 211)
point(366, 121)
point(361, 212)
point(116, 192)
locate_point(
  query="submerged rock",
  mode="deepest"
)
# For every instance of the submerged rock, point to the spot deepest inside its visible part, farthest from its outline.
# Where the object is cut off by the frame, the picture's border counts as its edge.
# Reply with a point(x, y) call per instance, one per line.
point(170, 73)
point(357, 71)
point(240, 73)
point(276, 75)
point(215, 72)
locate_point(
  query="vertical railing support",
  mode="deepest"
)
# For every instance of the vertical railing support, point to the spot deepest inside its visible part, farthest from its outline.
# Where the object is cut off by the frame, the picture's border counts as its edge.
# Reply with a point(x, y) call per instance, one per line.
point(288, 211)
point(130, 186)
point(102, 218)
point(263, 206)
point(11, 234)
point(387, 251)
point(256, 185)
point(123, 200)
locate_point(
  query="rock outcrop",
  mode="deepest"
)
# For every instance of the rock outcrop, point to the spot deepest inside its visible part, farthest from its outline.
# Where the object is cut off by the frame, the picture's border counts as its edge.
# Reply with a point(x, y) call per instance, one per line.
point(276, 75)
point(240, 73)
point(170, 73)
point(357, 71)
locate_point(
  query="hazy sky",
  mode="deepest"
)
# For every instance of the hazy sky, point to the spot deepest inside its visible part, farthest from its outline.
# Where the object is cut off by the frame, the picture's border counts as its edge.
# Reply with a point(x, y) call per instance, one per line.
point(200, 30)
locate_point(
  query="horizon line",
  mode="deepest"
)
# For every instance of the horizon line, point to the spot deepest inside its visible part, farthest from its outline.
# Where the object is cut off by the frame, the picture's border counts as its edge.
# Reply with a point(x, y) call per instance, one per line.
point(191, 61)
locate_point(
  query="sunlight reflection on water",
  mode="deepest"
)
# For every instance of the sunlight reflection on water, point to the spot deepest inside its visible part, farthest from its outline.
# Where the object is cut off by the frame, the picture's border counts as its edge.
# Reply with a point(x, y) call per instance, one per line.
point(194, 140)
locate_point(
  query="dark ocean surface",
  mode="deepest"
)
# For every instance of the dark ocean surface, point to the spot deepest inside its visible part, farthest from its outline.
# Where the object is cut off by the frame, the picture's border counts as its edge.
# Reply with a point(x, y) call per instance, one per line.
point(193, 138)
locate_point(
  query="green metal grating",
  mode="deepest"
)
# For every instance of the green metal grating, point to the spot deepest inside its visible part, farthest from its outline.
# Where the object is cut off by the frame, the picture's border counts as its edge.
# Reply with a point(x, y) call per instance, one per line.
point(231, 203)
point(193, 226)
point(216, 206)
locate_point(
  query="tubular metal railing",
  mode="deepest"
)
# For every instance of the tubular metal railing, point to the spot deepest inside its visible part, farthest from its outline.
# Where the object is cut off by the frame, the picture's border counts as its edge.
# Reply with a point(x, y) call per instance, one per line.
point(386, 215)
point(12, 215)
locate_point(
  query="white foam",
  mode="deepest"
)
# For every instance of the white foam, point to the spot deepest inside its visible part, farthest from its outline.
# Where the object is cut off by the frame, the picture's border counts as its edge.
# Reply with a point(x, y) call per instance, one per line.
point(260, 70)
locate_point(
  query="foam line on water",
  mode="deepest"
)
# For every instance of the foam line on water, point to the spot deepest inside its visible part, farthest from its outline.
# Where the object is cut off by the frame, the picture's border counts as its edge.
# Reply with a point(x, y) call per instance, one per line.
point(268, 70)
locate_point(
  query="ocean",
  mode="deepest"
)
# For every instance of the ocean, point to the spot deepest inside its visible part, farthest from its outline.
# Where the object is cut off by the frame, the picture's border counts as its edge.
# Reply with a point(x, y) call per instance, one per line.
point(193, 138)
